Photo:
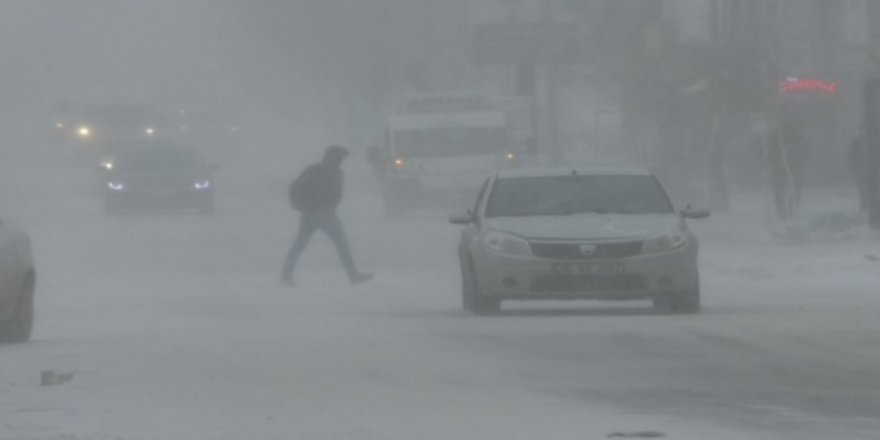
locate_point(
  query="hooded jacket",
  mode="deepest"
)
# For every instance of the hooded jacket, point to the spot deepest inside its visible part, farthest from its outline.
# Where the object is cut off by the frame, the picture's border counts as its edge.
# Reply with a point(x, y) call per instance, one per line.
point(319, 186)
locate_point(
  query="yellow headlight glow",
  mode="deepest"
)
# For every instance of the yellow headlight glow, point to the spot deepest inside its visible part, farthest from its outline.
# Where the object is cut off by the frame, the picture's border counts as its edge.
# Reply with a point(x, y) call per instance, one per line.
point(84, 132)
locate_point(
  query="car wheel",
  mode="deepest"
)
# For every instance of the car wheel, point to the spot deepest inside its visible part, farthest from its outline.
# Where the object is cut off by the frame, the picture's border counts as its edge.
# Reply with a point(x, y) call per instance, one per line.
point(662, 302)
point(470, 294)
point(18, 327)
point(484, 306)
point(467, 286)
point(686, 301)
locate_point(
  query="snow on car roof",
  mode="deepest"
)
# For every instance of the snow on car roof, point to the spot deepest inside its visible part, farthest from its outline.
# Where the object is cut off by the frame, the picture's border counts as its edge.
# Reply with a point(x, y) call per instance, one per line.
point(582, 171)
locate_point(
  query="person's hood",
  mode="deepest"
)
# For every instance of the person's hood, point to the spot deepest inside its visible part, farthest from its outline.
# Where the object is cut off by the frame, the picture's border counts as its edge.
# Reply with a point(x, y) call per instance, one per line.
point(334, 155)
point(586, 226)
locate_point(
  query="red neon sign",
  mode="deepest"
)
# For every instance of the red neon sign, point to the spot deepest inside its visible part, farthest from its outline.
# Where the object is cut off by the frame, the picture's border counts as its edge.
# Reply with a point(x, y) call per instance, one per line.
point(791, 85)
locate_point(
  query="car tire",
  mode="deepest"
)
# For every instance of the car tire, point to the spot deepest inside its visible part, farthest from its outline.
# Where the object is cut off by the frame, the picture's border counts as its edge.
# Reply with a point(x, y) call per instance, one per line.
point(467, 287)
point(662, 302)
point(686, 301)
point(471, 298)
point(19, 326)
point(486, 306)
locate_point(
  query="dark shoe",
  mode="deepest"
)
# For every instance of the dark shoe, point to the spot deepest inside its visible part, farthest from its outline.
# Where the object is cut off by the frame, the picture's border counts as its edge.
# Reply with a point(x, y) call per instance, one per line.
point(360, 278)
point(288, 282)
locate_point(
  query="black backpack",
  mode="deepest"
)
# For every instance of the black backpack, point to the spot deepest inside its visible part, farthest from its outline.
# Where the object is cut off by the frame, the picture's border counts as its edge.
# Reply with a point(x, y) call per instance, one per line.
point(295, 194)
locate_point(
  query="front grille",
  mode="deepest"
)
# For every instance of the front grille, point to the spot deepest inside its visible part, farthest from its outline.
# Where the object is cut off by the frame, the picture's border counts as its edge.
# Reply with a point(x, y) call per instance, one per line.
point(573, 250)
point(587, 283)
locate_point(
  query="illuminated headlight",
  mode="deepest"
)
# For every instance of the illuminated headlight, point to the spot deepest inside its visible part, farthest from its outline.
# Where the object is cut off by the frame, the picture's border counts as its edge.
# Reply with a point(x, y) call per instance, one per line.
point(84, 132)
point(510, 156)
point(202, 184)
point(399, 163)
point(107, 165)
point(506, 243)
point(59, 125)
point(115, 186)
point(150, 131)
point(665, 242)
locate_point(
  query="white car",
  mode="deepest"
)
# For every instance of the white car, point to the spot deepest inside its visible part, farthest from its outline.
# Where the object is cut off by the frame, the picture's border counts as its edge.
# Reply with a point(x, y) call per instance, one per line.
point(17, 282)
point(607, 234)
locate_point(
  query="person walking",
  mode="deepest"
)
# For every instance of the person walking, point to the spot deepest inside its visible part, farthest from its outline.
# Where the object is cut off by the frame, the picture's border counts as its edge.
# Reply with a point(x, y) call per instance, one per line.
point(315, 194)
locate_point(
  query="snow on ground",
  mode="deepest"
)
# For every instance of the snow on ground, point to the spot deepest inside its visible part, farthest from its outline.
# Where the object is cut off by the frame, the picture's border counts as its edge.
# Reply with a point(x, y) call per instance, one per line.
point(175, 327)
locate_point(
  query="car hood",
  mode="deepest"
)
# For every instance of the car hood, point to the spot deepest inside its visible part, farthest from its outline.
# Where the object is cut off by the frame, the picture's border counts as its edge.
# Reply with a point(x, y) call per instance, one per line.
point(586, 226)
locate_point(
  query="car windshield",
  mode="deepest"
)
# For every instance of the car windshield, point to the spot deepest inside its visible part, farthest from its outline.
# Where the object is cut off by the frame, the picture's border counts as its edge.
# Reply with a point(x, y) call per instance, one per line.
point(566, 195)
point(158, 159)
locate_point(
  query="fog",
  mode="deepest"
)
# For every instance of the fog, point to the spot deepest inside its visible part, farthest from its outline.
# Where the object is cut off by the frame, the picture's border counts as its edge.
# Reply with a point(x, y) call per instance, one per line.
point(150, 151)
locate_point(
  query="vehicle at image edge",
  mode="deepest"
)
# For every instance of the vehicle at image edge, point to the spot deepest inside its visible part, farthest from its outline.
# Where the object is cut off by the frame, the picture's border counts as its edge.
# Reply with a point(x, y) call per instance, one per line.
point(17, 282)
point(440, 147)
point(159, 175)
point(558, 234)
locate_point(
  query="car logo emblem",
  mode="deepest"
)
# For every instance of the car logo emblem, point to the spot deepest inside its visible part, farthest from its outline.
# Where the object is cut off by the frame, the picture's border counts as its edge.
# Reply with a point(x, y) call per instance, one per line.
point(587, 250)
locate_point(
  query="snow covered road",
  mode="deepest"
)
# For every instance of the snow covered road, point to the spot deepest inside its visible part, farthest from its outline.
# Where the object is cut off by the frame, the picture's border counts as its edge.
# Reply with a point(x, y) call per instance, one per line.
point(175, 327)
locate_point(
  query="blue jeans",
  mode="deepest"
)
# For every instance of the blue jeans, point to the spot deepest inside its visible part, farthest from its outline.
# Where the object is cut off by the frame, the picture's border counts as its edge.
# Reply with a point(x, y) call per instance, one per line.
point(309, 222)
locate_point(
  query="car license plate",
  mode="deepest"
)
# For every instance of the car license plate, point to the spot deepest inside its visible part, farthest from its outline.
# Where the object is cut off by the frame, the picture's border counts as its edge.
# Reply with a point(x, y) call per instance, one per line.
point(590, 269)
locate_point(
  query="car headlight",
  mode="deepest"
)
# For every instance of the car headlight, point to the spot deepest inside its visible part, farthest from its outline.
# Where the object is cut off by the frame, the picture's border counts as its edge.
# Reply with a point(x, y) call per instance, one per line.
point(665, 242)
point(107, 165)
point(115, 186)
point(507, 243)
point(202, 184)
point(84, 132)
point(150, 131)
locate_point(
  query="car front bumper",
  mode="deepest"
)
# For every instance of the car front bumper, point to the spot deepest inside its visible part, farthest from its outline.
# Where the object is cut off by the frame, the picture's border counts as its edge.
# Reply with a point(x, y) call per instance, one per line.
point(641, 276)
point(159, 199)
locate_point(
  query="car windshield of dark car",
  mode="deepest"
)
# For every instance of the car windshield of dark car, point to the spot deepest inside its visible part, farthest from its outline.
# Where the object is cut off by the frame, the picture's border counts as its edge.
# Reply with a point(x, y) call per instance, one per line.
point(159, 160)
point(566, 195)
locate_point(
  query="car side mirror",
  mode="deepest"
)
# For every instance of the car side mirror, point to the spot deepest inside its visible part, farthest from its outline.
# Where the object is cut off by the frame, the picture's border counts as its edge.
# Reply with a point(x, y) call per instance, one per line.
point(695, 214)
point(462, 218)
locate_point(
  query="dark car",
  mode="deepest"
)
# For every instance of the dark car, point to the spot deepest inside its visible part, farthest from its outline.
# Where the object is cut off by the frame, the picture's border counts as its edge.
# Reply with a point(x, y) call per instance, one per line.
point(17, 281)
point(159, 175)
